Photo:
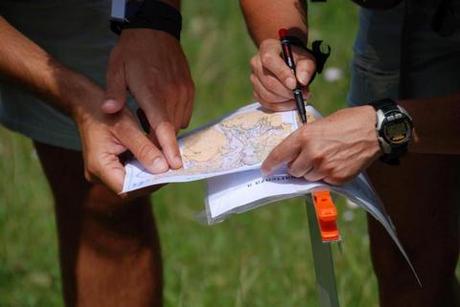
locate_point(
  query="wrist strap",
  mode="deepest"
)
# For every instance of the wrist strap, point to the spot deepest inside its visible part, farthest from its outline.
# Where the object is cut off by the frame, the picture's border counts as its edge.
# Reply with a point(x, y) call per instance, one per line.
point(385, 105)
point(319, 55)
point(150, 14)
point(393, 157)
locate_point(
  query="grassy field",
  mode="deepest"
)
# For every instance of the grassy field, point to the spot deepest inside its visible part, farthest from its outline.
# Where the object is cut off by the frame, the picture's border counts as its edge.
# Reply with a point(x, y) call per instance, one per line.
point(261, 258)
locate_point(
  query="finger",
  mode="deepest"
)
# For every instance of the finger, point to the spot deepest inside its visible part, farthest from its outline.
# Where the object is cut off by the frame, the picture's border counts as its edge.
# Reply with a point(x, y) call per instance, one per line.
point(177, 102)
point(264, 94)
point(337, 181)
point(282, 106)
point(142, 148)
point(275, 64)
point(116, 89)
point(300, 166)
point(284, 153)
point(270, 81)
point(172, 98)
point(166, 136)
point(305, 70)
point(314, 175)
point(112, 173)
point(275, 107)
point(188, 113)
point(189, 107)
point(306, 93)
point(178, 116)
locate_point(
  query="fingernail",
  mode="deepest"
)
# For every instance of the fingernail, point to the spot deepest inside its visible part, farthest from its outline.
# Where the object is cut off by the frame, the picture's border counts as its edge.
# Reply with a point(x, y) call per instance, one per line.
point(291, 83)
point(265, 171)
point(110, 102)
point(159, 165)
point(178, 161)
point(303, 78)
point(110, 106)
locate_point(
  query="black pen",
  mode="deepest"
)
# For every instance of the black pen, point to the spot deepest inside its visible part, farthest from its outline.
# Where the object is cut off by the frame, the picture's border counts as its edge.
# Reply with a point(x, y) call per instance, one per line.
point(289, 59)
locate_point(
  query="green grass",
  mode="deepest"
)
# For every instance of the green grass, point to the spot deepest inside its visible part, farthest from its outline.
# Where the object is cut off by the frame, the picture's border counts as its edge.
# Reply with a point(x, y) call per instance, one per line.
point(261, 258)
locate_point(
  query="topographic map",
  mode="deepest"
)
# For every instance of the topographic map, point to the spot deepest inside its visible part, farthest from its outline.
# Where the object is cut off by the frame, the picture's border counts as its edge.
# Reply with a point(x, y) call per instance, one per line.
point(237, 142)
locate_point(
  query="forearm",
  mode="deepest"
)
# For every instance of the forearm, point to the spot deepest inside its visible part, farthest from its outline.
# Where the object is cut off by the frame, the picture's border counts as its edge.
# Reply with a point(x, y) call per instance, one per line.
point(436, 122)
point(24, 62)
point(265, 17)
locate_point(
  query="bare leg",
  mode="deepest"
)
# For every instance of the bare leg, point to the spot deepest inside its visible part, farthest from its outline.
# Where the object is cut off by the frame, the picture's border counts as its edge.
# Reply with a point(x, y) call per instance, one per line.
point(422, 196)
point(109, 248)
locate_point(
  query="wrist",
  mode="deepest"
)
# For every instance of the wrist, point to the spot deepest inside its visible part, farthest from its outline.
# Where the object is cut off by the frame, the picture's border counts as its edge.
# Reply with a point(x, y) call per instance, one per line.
point(83, 97)
point(151, 14)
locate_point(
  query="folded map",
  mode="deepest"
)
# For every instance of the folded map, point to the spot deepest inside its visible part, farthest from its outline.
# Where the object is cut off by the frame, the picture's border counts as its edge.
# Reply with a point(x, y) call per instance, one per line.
point(237, 142)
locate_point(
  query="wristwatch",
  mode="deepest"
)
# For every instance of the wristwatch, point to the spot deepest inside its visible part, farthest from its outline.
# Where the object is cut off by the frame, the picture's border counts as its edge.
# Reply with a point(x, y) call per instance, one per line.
point(394, 129)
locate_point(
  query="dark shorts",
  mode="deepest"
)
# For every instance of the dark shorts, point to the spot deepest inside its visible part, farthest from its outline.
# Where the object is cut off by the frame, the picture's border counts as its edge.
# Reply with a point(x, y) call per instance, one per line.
point(432, 64)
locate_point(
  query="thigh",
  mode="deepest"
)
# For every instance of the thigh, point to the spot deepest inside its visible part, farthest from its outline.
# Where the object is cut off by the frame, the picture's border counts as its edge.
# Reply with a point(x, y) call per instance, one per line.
point(98, 231)
point(422, 197)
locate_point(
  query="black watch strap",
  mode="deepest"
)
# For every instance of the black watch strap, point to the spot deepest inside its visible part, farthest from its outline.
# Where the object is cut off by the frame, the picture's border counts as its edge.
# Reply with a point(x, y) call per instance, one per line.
point(385, 105)
point(150, 14)
point(393, 157)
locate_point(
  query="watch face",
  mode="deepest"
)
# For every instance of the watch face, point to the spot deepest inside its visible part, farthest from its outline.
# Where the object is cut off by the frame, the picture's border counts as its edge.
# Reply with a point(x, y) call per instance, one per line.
point(397, 129)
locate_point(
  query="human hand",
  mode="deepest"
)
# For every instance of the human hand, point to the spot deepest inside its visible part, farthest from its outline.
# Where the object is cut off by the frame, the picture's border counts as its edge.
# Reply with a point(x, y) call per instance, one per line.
point(152, 66)
point(334, 149)
point(273, 81)
point(105, 136)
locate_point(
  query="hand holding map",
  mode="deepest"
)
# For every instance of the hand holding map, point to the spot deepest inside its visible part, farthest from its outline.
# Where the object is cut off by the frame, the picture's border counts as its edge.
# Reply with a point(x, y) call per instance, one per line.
point(237, 142)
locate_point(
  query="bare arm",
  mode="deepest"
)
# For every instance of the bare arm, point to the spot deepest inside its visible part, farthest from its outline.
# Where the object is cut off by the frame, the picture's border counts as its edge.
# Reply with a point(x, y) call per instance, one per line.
point(272, 80)
point(341, 145)
point(24, 62)
point(103, 136)
point(152, 66)
point(264, 18)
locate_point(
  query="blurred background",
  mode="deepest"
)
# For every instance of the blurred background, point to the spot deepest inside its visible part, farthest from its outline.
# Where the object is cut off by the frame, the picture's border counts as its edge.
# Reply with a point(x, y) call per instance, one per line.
point(261, 258)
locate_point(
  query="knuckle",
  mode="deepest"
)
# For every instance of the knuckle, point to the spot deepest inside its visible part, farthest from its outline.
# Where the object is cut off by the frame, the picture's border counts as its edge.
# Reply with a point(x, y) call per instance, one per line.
point(92, 169)
point(269, 44)
point(285, 74)
point(294, 172)
point(304, 136)
point(253, 62)
point(267, 59)
point(271, 83)
point(152, 90)
point(88, 176)
point(146, 152)
point(317, 160)
point(164, 126)
point(337, 177)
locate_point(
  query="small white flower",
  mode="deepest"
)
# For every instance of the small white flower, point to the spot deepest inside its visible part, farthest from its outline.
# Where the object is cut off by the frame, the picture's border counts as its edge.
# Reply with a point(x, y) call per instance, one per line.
point(332, 74)
point(348, 216)
point(351, 204)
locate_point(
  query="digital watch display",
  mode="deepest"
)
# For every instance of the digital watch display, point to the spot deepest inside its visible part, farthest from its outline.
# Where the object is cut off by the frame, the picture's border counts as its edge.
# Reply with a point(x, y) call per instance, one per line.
point(394, 128)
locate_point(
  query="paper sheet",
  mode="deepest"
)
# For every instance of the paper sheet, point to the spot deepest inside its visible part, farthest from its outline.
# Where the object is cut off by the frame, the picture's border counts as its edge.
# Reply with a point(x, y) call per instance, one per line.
point(241, 192)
